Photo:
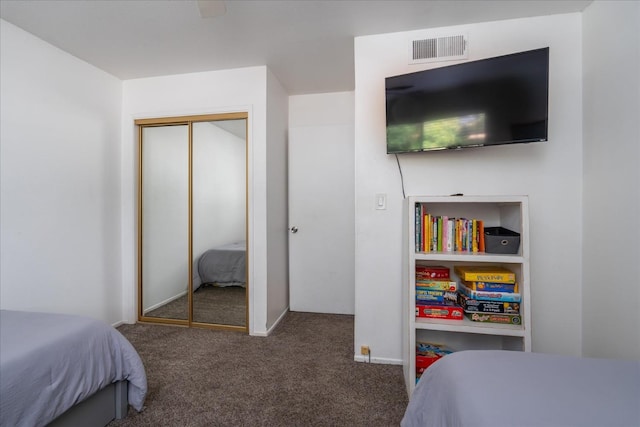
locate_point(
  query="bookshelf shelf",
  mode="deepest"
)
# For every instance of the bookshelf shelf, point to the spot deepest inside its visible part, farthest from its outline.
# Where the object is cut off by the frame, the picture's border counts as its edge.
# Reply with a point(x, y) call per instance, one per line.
point(505, 211)
point(467, 326)
point(467, 257)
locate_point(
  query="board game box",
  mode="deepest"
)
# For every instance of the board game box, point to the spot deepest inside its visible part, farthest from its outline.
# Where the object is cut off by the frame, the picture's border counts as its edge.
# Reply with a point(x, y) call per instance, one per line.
point(490, 295)
point(509, 319)
point(428, 353)
point(432, 272)
point(430, 295)
point(491, 286)
point(437, 285)
point(473, 305)
point(485, 273)
point(440, 311)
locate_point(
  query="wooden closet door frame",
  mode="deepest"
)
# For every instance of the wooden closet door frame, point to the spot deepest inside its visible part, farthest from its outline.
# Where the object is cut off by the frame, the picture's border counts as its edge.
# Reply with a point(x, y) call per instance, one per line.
point(189, 121)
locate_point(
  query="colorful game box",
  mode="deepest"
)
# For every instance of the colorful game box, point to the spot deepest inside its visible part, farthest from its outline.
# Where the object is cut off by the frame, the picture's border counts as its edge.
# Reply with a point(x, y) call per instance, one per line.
point(473, 305)
point(428, 353)
point(509, 319)
point(491, 286)
point(446, 310)
point(489, 295)
point(430, 295)
point(485, 273)
point(432, 272)
point(437, 285)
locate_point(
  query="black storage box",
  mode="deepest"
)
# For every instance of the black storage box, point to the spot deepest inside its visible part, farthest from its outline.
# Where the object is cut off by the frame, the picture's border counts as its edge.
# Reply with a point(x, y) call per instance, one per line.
point(499, 240)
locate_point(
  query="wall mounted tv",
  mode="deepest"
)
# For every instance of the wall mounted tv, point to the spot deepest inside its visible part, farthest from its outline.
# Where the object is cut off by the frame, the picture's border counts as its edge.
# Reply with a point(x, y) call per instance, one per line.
point(494, 101)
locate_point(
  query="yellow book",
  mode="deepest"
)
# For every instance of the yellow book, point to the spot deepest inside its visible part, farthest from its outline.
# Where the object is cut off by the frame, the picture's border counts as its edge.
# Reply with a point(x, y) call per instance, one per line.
point(485, 273)
point(474, 235)
point(426, 241)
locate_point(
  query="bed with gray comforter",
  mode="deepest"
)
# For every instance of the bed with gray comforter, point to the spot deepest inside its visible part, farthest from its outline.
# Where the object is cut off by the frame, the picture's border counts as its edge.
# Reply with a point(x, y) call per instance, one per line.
point(496, 388)
point(51, 362)
point(225, 265)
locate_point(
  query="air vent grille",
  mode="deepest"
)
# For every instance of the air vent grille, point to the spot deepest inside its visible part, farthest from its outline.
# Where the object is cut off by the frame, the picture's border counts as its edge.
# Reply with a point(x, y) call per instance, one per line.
point(438, 49)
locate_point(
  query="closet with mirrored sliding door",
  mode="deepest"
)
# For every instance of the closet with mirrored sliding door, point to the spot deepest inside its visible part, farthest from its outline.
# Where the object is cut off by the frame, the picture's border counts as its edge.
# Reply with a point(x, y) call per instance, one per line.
point(192, 221)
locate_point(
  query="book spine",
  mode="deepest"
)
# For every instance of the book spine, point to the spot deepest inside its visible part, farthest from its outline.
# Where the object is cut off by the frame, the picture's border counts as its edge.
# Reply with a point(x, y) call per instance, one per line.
point(465, 235)
point(445, 232)
point(474, 235)
point(427, 233)
point(489, 296)
point(434, 234)
point(481, 246)
point(418, 227)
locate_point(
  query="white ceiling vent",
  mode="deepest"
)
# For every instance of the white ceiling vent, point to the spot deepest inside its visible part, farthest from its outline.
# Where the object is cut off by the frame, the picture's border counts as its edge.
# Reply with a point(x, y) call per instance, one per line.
point(436, 49)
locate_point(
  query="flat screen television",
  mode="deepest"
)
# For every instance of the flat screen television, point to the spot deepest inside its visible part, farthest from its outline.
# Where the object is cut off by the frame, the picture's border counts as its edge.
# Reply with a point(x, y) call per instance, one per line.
point(494, 101)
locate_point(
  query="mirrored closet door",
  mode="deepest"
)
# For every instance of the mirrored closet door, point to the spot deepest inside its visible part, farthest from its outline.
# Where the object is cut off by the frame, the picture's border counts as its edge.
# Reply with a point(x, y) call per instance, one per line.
point(192, 257)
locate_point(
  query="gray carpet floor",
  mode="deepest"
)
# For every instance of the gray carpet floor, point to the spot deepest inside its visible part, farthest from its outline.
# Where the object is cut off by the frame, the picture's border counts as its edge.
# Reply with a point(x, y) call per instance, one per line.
point(303, 374)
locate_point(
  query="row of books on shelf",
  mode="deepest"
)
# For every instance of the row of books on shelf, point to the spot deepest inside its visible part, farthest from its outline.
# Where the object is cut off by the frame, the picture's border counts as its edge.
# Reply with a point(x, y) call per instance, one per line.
point(482, 294)
point(435, 233)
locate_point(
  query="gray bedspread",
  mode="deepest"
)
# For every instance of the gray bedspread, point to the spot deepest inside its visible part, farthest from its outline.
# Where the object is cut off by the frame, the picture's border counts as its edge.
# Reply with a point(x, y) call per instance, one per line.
point(509, 388)
point(50, 362)
point(224, 264)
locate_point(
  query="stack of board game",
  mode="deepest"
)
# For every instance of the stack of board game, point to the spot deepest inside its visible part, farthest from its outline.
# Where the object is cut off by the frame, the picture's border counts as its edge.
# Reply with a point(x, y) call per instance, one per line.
point(427, 354)
point(436, 293)
point(489, 294)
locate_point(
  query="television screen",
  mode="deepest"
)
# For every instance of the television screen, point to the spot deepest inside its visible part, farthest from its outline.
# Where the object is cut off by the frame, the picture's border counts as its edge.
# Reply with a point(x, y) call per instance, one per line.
point(500, 100)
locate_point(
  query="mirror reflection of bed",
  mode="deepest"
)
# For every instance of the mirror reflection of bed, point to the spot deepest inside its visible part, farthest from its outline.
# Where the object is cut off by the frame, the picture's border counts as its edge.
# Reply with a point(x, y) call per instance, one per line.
point(193, 176)
point(219, 288)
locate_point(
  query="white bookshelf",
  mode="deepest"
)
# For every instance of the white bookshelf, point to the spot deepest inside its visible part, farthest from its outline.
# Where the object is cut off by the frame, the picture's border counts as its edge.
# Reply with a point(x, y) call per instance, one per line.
point(510, 212)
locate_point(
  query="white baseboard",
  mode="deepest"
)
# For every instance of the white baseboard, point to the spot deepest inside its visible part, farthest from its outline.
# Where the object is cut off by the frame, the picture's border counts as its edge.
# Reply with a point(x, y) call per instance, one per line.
point(167, 301)
point(273, 327)
point(378, 360)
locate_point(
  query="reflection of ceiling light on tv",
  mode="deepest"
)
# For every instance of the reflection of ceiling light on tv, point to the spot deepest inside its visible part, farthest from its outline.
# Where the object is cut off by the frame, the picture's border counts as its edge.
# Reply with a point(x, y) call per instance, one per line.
point(476, 136)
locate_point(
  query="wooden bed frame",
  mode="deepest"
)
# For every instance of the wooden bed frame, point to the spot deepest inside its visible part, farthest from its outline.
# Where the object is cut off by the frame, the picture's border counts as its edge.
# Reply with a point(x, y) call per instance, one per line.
point(97, 410)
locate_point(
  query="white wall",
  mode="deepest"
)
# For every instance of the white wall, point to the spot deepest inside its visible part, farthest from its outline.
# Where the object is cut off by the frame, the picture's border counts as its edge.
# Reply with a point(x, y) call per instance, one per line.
point(549, 173)
point(234, 90)
point(69, 177)
point(277, 219)
point(59, 182)
point(611, 293)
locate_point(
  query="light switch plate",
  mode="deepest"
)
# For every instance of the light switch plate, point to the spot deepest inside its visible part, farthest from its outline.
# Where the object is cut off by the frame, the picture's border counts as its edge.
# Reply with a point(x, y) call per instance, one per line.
point(381, 201)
